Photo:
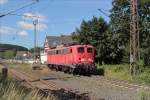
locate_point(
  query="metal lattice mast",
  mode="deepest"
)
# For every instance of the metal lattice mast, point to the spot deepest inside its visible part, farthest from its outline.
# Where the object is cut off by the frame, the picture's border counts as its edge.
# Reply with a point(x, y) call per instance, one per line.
point(134, 37)
point(35, 39)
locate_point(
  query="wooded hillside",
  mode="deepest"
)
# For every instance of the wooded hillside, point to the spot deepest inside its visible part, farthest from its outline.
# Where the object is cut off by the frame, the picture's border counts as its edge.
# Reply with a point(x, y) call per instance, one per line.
point(8, 51)
point(4, 47)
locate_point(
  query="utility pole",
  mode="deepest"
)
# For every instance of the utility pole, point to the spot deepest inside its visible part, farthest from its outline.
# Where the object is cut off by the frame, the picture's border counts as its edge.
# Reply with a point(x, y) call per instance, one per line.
point(134, 37)
point(35, 22)
point(13, 11)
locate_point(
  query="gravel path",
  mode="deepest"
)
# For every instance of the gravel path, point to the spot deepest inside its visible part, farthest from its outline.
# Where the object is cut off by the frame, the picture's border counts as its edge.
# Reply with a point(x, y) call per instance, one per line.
point(95, 87)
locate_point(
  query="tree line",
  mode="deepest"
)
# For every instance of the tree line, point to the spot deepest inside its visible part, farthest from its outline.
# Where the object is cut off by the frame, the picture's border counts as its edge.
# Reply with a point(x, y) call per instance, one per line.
point(9, 51)
point(112, 39)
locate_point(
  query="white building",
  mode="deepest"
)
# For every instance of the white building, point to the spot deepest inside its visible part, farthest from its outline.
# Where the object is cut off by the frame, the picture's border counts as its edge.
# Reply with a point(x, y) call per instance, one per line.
point(43, 56)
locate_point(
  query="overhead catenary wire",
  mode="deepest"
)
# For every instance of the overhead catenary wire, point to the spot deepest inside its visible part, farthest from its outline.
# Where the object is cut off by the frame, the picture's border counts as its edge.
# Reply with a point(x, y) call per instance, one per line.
point(103, 12)
point(13, 11)
point(23, 15)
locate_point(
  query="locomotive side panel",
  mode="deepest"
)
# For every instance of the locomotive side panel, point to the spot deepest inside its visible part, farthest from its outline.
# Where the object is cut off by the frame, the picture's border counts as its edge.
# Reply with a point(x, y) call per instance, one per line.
point(79, 54)
point(60, 56)
point(72, 59)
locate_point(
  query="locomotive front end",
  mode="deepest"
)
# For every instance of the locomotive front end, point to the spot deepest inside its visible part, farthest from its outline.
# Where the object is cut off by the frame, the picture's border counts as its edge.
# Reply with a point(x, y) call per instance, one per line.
point(85, 60)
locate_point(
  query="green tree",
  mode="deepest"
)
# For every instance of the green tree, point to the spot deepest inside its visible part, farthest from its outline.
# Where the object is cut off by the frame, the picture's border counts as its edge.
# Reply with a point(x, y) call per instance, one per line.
point(38, 49)
point(120, 23)
point(96, 32)
point(1, 54)
point(9, 54)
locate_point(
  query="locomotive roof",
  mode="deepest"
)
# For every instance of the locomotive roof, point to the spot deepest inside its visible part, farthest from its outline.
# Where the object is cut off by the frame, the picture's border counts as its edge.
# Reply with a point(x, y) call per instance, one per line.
point(76, 45)
point(54, 41)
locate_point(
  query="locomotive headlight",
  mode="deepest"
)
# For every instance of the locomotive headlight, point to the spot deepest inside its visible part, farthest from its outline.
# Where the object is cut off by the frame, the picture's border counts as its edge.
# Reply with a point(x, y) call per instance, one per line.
point(90, 60)
point(82, 60)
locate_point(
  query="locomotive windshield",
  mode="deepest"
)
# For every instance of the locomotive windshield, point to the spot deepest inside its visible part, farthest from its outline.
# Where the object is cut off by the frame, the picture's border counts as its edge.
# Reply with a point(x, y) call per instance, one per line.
point(89, 50)
point(80, 50)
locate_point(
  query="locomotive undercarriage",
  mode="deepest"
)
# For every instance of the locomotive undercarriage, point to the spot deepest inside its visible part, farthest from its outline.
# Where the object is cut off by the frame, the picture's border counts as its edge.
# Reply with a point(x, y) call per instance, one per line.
point(78, 69)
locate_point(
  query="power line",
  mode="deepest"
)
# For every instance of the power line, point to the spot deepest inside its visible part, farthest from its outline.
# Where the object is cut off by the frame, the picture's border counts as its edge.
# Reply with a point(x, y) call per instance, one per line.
point(13, 11)
point(103, 12)
point(30, 16)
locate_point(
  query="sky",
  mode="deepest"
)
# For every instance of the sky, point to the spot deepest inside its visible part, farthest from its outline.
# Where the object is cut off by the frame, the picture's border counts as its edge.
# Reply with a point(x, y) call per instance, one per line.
point(55, 18)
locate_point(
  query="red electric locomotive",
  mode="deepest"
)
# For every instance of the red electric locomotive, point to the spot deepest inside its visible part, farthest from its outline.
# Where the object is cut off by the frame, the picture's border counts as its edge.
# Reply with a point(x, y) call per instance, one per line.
point(76, 59)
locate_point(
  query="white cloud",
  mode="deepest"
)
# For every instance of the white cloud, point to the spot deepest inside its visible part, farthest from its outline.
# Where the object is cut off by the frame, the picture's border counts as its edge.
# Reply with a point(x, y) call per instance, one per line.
point(27, 22)
point(22, 33)
point(7, 30)
point(31, 16)
point(29, 26)
point(25, 25)
point(3, 2)
point(41, 27)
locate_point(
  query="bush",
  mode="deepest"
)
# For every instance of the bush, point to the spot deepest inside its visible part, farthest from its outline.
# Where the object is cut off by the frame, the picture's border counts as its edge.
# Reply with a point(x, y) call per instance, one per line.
point(144, 95)
point(144, 76)
point(8, 54)
point(147, 57)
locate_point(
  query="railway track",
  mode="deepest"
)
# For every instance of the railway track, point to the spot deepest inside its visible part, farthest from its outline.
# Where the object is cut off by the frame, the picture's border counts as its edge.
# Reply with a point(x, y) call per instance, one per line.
point(31, 79)
point(116, 83)
point(44, 86)
point(119, 83)
point(123, 84)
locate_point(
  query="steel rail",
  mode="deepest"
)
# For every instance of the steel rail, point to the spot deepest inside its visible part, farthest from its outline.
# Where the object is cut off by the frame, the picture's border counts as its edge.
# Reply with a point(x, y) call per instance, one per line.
point(123, 84)
point(51, 86)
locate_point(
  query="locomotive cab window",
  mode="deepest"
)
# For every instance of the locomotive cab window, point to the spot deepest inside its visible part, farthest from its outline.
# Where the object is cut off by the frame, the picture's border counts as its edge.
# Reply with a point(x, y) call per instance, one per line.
point(80, 50)
point(89, 50)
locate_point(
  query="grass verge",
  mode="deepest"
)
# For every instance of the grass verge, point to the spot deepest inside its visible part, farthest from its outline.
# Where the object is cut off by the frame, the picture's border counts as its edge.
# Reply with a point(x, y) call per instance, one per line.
point(12, 90)
point(122, 72)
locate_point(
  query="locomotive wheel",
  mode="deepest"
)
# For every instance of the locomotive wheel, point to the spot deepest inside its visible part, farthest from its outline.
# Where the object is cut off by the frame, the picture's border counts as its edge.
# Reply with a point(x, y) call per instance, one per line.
point(75, 71)
point(70, 70)
point(65, 70)
point(34, 68)
point(56, 69)
point(51, 67)
point(59, 68)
